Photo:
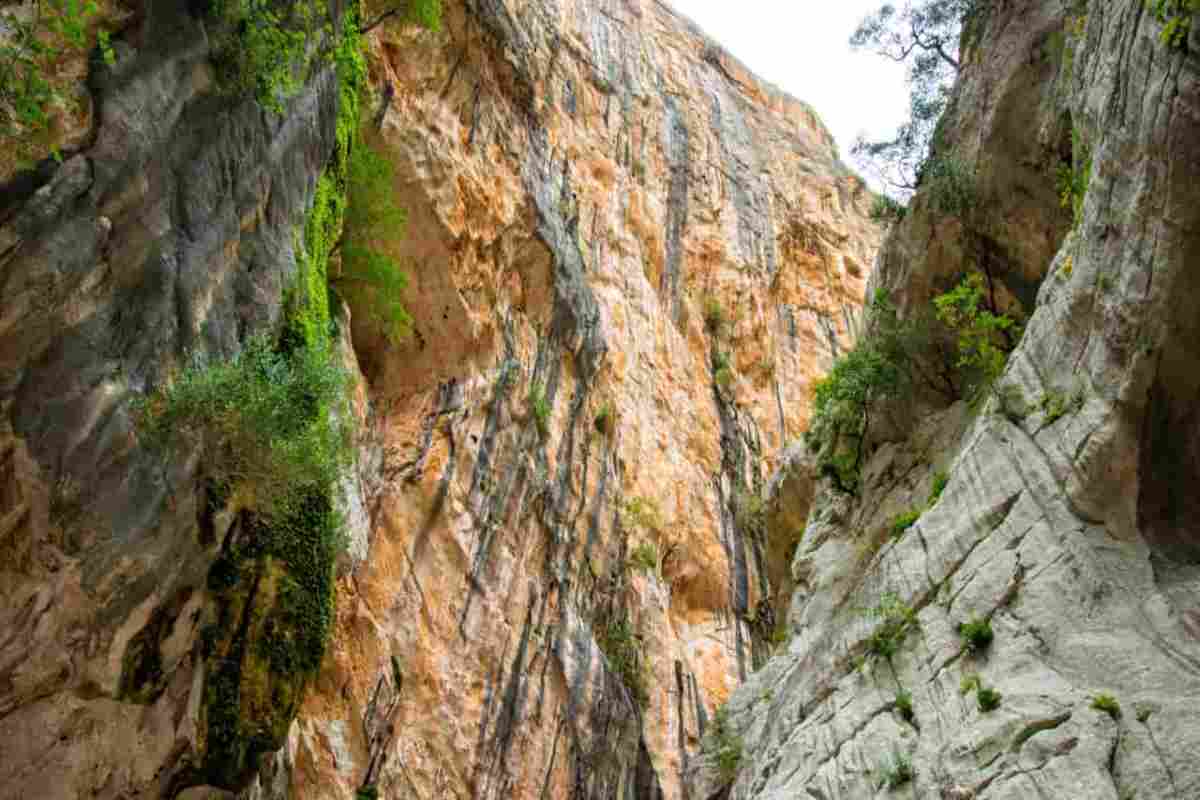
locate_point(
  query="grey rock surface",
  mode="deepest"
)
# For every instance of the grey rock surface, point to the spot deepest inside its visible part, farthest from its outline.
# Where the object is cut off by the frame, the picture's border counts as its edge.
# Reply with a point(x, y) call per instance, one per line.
point(1073, 533)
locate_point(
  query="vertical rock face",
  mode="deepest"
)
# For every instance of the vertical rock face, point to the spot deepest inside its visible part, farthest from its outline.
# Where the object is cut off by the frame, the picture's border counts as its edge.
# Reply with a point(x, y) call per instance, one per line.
point(629, 259)
point(1065, 522)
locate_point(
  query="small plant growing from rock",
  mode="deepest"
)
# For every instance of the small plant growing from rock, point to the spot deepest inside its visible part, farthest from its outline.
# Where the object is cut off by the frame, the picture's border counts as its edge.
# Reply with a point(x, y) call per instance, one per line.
point(723, 745)
point(750, 511)
point(1108, 704)
point(968, 684)
point(976, 634)
point(987, 698)
point(605, 419)
point(724, 377)
point(540, 408)
point(905, 521)
point(896, 619)
point(368, 792)
point(715, 318)
point(940, 479)
point(904, 706)
point(644, 557)
point(898, 772)
point(642, 512)
point(623, 649)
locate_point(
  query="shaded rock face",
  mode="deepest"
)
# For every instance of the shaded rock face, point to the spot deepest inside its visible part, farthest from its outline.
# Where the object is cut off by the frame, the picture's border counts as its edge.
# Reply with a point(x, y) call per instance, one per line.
point(629, 259)
point(1065, 522)
point(169, 235)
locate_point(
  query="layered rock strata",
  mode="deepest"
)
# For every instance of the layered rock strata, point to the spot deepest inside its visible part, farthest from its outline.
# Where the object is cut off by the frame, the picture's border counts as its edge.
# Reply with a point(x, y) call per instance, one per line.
point(1066, 522)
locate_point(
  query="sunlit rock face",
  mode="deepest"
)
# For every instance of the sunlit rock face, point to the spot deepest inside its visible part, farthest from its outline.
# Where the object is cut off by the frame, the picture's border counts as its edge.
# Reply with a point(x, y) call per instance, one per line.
point(629, 260)
point(1065, 521)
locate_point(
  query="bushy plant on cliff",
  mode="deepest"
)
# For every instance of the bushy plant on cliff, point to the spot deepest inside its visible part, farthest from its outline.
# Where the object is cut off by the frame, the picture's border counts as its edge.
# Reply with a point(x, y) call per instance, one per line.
point(982, 335)
point(887, 210)
point(622, 648)
point(31, 47)
point(371, 280)
point(1073, 177)
point(1176, 16)
point(949, 185)
point(723, 745)
point(254, 421)
point(426, 13)
point(895, 620)
point(876, 369)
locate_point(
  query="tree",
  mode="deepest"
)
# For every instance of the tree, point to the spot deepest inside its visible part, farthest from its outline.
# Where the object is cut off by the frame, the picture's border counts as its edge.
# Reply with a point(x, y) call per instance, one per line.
point(924, 35)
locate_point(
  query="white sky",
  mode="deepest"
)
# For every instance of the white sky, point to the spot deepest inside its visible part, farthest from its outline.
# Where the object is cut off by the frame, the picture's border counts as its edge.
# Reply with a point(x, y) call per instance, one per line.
point(802, 47)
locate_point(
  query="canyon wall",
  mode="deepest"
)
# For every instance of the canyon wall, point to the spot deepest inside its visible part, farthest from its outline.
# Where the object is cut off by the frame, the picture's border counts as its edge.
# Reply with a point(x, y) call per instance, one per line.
point(1067, 520)
point(628, 260)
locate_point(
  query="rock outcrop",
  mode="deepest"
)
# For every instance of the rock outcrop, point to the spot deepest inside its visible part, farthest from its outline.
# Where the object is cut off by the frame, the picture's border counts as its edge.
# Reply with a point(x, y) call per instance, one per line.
point(1067, 520)
point(629, 259)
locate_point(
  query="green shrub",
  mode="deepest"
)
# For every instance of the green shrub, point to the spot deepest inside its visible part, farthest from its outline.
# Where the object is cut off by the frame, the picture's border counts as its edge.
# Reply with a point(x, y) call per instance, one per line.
point(642, 512)
point(976, 634)
point(750, 511)
point(623, 650)
point(1176, 16)
point(950, 185)
point(29, 53)
point(723, 745)
point(885, 210)
point(370, 280)
point(644, 557)
point(987, 698)
point(896, 619)
point(715, 318)
point(1073, 178)
point(898, 772)
point(1055, 404)
point(425, 13)
point(981, 333)
point(368, 792)
point(269, 426)
point(883, 365)
point(904, 704)
point(905, 521)
point(539, 407)
point(940, 479)
point(605, 418)
point(263, 47)
point(1108, 704)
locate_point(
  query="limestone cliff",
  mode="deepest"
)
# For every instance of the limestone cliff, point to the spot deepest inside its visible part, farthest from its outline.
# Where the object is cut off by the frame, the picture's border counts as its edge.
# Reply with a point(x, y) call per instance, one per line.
point(1067, 522)
point(629, 259)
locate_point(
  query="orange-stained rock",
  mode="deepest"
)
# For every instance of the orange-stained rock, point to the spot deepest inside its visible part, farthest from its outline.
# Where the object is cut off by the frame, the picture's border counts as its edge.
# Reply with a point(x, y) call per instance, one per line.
point(588, 185)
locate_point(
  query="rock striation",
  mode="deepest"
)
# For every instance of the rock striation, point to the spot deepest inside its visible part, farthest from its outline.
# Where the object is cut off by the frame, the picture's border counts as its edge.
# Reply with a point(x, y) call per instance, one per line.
point(629, 259)
point(1065, 522)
